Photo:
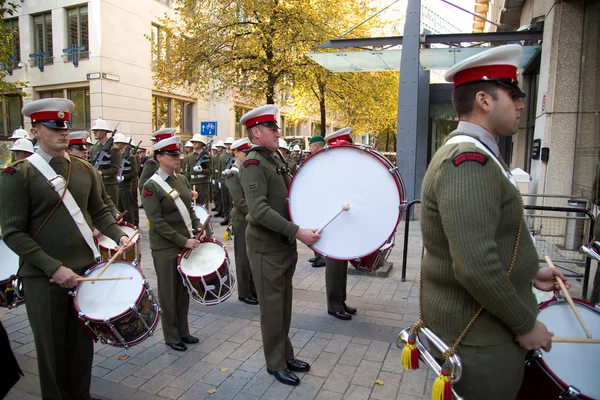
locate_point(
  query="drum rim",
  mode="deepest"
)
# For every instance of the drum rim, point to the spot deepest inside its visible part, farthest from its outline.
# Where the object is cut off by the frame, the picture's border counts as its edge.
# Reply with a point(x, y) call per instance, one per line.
point(124, 223)
point(211, 240)
point(378, 157)
point(93, 268)
point(540, 359)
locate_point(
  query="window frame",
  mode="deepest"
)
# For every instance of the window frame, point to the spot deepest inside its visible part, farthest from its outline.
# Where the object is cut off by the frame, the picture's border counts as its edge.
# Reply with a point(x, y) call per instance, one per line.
point(83, 54)
point(49, 59)
point(15, 41)
point(186, 123)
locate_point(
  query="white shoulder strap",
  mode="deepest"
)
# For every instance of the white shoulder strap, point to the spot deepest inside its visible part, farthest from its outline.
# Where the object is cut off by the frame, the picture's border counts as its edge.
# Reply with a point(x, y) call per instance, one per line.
point(59, 185)
point(481, 146)
point(236, 169)
point(174, 194)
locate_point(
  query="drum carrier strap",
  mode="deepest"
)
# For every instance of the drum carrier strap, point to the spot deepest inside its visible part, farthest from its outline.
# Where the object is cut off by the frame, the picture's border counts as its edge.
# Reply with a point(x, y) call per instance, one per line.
point(442, 386)
point(59, 185)
point(174, 194)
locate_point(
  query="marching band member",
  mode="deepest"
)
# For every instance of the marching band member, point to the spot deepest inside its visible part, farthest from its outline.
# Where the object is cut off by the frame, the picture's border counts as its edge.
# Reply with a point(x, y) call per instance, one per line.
point(110, 161)
point(21, 149)
point(167, 199)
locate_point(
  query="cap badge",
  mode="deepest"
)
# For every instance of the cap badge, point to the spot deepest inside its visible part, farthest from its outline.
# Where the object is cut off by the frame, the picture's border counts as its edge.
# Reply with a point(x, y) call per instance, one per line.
point(61, 114)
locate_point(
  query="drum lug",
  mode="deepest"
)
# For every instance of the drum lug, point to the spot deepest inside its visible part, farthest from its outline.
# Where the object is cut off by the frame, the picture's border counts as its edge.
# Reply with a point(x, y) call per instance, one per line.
point(117, 334)
point(570, 394)
point(135, 263)
point(134, 308)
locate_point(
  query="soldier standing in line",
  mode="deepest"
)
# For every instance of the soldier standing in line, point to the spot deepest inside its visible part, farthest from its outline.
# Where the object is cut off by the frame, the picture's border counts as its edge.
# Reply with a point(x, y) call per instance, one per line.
point(125, 178)
point(109, 163)
point(54, 240)
point(168, 203)
point(271, 241)
point(245, 284)
point(297, 154)
point(151, 166)
point(216, 165)
point(336, 271)
point(21, 149)
point(197, 171)
point(285, 151)
point(225, 161)
point(188, 148)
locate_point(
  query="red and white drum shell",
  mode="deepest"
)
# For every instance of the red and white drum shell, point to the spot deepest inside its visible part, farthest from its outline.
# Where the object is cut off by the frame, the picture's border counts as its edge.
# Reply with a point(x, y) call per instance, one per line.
point(108, 247)
point(11, 286)
point(568, 365)
point(206, 272)
point(375, 260)
point(346, 174)
point(119, 313)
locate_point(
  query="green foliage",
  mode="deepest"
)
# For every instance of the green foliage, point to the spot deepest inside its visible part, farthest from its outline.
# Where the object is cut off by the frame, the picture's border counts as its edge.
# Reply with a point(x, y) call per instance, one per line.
point(6, 37)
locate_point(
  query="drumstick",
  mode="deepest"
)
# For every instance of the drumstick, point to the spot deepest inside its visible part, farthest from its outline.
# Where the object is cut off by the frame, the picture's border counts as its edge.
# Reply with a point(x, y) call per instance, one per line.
point(187, 253)
point(104, 278)
point(569, 299)
point(345, 207)
point(118, 253)
point(575, 340)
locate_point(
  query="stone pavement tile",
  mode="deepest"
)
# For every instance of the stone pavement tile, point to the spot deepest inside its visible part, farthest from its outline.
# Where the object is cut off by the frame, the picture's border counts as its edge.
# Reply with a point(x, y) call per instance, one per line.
point(389, 389)
point(122, 372)
point(255, 362)
point(24, 349)
point(413, 385)
point(338, 344)
point(216, 377)
point(357, 393)
point(155, 366)
point(192, 376)
point(114, 362)
point(340, 378)
point(243, 335)
point(314, 347)
point(12, 327)
point(392, 361)
point(213, 327)
point(157, 383)
point(310, 311)
point(391, 322)
point(259, 384)
point(145, 356)
point(23, 338)
point(367, 373)
point(389, 288)
point(277, 391)
point(358, 340)
point(171, 392)
point(301, 337)
point(198, 391)
point(353, 354)
point(232, 385)
point(324, 335)
point(383, 296)
point(308, 388)
point(245, 396)
point(99, 371)
point(377, 351)
point(383, 314)
point(324, 364)
point(204, 321)
point(98, 359)
point(246, 350)
point(327, 395)
point(233, 327)
point(208, 345)
point(18, 395)
point(184, 363)
point(410, 319)
point(133, 381)
point(220, 353)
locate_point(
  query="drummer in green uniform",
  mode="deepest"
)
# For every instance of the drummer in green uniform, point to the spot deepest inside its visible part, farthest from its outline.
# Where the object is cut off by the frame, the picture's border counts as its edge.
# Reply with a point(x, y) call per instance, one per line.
point(245, 284)
point(151, 166)
point(271, 241)
point(198, 171)
point(107, 163)
point(167, 199)
point(125, 178)
point(54, 240)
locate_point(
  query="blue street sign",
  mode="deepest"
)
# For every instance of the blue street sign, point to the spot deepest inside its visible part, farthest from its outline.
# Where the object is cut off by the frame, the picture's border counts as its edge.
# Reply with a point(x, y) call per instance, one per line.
point(208, 128)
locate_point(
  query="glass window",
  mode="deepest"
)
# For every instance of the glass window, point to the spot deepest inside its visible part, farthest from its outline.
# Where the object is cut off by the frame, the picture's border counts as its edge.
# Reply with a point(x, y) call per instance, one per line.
point(10, 114)
point(160, 44)
point(81, 114)
point(78, 30)
point(178, 115)
point(161, 113)
point(12, 26)
point(52, 94)
point(42, 35)
point(240, 130)
point(174, 113)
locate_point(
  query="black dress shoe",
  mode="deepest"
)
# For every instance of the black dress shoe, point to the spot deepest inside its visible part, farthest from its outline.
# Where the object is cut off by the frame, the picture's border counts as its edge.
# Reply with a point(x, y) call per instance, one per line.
point(312, 260)
point(249, 300)
point(343, 315)
point(224, 223)
point(298, 365)
point(349, 310)
point(218, 215)
point(190, 339)
point(177, 346)
point(213, 209)
point(285, 376)
point(318, 264)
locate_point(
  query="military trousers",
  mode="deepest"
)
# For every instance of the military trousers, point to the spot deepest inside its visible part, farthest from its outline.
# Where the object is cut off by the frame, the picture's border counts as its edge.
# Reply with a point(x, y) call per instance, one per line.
point(336, 275)
point(135, 202)
point(203, 189)
point(65, 350)
point(272, 273)
point(126, 201)
point(172, 295)
point(225, 200)
point(217, 197)
point(245, 283)
point(112, 190)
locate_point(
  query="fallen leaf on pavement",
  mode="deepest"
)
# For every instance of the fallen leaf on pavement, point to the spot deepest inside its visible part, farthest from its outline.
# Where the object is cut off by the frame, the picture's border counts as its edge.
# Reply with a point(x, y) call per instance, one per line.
point(123, 357)
point(224, 369)
point(379, 382)
point(211, 391)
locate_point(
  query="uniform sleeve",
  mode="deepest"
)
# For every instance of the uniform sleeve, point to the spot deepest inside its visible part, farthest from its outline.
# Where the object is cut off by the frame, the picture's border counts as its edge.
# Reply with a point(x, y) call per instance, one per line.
point(469, 200)
point(255, 183)
point(147, 172)
point(237, 193)
point(14, 221)
point(105, 197)
point(115, 163)
point(102, 217)
point(151, 198)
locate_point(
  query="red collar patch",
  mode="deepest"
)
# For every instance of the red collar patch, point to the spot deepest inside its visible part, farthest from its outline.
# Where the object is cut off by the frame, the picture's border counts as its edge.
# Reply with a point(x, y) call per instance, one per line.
point(251, 162)
point(464, 157)
point(230, 175)
point(147, 193)
point(9, 170)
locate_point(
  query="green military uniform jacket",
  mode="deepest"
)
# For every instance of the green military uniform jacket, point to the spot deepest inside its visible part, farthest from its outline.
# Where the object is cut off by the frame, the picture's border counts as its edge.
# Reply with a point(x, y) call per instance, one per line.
point(149, 169)
point(470, 214)
point(291, 164)
point(167, 228)
point(269, 227)
point(59, 242)
point(237, 193)
point(109, 164)
point(216, 163)
point(195, 178)
point(223, 159)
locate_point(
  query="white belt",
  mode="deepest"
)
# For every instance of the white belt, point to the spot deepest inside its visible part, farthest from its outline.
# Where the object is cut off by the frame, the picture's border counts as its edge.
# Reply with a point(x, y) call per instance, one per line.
point(174, 194)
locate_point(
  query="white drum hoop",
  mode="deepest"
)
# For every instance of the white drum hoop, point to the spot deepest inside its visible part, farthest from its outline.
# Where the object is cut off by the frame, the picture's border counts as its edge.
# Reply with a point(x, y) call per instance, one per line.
point(360, 177)
point(110, 245)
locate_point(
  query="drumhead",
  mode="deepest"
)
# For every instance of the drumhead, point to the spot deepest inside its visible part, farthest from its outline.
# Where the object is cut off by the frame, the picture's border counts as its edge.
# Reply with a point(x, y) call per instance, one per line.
point(201, 213)
point(108, 243)
point(346, 175)
point(574, 363)
point(108, 299)
point(203, 261)
point(10, 261)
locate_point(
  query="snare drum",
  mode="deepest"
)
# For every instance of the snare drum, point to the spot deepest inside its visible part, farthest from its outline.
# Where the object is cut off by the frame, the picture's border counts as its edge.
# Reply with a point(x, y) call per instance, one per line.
point(11, 287)
point(353, 175)
point(119, 313)
point(569, 370)
point(206, 273)
point(108, 247)
point(202, 214)
point(375, 260)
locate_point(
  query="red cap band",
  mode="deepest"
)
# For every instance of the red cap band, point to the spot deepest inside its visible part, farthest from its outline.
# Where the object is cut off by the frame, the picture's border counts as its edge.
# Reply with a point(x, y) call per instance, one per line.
point(244, 146)
point(489, 71)
point(50, 116)
point(77, 141)
point(162, 136)
point(261, 118)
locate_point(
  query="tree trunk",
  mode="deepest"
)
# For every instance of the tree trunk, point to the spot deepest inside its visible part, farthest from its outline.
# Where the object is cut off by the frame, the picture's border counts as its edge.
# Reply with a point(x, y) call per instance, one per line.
point(322, 107)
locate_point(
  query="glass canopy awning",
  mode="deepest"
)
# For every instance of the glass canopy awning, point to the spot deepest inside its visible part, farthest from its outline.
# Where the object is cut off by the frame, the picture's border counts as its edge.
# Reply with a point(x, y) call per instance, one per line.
point(389, 60)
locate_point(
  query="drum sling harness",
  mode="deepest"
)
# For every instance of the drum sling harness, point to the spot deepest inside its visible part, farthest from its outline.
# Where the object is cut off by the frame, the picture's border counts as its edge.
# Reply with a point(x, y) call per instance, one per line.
point(174, 194)
point(59, 185)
